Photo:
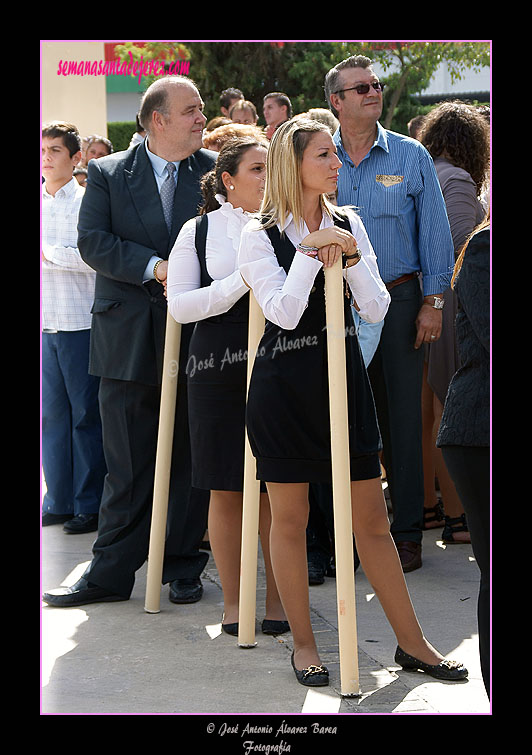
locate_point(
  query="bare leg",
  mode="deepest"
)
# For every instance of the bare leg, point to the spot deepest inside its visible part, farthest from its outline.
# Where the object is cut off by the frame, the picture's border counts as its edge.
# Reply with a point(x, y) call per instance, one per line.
point(381, 564)
point(225, 535)
point(288, 548)
point(274, 607)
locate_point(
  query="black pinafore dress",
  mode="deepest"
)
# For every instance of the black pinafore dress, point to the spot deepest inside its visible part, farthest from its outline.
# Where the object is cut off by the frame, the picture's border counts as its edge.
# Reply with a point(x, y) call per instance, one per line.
point(287, 414)
point(217, 381)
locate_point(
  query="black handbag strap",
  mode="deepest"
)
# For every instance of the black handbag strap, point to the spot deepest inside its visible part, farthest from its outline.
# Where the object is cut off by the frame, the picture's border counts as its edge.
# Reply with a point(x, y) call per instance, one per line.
point(202, 223)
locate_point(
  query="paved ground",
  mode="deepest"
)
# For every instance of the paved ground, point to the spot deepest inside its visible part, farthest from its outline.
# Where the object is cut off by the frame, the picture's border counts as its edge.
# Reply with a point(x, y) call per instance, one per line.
point(114, 658)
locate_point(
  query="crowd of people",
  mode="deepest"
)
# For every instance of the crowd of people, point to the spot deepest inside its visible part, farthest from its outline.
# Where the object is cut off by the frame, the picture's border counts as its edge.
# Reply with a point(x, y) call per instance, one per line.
point(184, 223)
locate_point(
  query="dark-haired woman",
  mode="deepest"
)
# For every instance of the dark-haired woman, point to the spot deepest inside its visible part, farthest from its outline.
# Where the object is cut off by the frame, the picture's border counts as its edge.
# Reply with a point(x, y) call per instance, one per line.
point(205, 286)
point(281, 257)
point(464, 434)
point(457, 137)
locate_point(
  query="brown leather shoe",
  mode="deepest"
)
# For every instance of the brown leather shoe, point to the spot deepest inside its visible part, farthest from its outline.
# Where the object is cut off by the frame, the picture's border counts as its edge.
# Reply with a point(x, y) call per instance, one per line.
point(409, 554)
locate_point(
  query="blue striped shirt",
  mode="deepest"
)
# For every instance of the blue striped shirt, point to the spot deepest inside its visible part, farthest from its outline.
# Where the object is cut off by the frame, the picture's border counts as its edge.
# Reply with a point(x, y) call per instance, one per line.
point(396, 192)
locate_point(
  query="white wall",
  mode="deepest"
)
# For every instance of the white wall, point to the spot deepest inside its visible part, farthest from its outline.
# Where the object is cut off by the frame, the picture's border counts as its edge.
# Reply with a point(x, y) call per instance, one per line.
point(471, 82)
point(441, 81)
point(81, 100)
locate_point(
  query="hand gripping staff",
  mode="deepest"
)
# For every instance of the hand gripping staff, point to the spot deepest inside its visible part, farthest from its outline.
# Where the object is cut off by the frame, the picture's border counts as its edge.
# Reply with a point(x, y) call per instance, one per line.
point(163, 464)
point(251, 504)
point(341, 481)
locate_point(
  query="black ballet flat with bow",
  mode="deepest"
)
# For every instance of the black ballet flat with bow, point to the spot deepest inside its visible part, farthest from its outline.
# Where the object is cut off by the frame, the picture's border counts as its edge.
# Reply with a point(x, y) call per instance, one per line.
point(313, 676)
point(274, 626)
point(450, 671)
point(231, 628)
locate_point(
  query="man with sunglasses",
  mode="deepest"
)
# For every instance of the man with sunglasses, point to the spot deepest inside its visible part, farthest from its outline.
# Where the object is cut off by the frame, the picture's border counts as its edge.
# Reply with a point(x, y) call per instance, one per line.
point(391, 181)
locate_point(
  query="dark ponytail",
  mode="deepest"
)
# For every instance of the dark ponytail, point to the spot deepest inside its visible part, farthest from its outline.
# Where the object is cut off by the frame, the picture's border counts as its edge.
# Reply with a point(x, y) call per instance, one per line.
point(229, 159)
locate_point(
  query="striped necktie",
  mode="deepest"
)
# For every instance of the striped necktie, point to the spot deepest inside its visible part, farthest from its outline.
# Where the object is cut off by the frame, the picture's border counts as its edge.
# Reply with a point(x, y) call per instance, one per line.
point(167, 195)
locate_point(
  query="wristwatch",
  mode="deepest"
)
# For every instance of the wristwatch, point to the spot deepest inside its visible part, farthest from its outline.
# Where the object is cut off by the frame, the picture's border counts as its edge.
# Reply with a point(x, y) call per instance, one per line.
point(438, 302)
point(357, 256)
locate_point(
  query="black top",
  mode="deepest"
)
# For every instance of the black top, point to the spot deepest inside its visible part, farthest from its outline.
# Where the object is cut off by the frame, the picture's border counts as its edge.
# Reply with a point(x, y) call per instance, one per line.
point(288, 418)
point(466, 415)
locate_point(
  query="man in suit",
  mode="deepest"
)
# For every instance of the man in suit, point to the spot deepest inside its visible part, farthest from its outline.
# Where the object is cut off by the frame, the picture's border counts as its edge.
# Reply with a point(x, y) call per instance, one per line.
point(134, 206)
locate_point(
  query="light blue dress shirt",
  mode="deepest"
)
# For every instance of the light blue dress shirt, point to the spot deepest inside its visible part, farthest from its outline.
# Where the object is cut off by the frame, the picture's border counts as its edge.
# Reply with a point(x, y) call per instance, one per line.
point(396, 192)
point(159, 171)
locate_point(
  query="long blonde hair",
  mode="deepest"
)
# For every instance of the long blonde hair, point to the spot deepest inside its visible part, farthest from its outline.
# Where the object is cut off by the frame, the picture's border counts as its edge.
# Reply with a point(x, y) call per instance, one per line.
point(458, 264)
point(283, 191)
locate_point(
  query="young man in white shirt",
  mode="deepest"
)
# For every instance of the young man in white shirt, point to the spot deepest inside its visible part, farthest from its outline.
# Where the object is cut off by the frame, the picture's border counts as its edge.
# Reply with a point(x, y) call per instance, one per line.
point(73, 461)
point(277, 109)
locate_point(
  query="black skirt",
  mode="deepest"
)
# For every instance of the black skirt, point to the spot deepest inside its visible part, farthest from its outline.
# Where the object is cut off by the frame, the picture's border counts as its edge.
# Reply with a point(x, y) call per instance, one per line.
point(217, 384)
point(217, 378)
point(287, 414)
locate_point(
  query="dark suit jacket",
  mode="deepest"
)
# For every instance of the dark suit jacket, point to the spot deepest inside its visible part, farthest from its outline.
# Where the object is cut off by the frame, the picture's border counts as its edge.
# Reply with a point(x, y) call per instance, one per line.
point(121, 226)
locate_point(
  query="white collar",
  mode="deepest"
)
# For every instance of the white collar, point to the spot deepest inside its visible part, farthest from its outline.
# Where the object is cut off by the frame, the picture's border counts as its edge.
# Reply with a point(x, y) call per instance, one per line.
point(158, 163)
point(324, 223)
point(66, 190)
point(227, 208)
point(235, 217)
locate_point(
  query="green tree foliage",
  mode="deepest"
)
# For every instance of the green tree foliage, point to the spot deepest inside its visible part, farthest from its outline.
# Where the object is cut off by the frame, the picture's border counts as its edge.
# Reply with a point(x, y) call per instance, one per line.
point(298, 69)
point(120, 133)
point(257, 68)
point(411, 65)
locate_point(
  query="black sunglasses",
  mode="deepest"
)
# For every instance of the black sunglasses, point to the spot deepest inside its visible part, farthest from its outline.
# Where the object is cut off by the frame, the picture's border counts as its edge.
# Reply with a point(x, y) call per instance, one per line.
point(363, 88)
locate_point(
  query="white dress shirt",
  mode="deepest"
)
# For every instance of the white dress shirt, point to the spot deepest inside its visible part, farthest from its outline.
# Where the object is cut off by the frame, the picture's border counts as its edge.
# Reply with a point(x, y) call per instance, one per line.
point(187, 300)
point(283, 298)
point(67, 281)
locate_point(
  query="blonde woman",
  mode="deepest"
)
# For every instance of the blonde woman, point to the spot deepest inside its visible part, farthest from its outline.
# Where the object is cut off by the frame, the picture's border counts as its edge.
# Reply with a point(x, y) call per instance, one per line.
point(281, 257)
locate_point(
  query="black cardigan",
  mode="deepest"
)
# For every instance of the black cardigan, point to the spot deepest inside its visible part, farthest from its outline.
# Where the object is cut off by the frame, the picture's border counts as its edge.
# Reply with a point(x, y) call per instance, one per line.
point(466, 415)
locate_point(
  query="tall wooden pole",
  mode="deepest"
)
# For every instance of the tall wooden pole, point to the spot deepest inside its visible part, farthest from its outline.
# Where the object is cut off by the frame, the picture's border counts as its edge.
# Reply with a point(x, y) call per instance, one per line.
point(341, 481)
point(251, 504)
point(163, 465)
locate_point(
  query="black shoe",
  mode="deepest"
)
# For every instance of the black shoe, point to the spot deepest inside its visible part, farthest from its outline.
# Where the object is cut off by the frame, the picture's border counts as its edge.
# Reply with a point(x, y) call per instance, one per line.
point(447, 670)
point(185, 590)
point(330, 571)
point(81, 523)
point(452, 526)
point(313, 676)
point(316, 574)
point(48, 518)
point(409, 555)
point(272, 626)
point(231, 629)
point(79, 594)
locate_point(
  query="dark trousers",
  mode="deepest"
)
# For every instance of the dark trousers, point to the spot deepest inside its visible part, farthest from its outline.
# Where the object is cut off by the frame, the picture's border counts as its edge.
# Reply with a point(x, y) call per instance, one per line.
point(130, 417)
point(72, 453)
point(396, 373)
point(320, 528)
point(469, 468)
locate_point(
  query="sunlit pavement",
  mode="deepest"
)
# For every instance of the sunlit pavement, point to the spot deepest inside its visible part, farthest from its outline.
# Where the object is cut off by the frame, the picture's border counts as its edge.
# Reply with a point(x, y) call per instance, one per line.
point(115, 658)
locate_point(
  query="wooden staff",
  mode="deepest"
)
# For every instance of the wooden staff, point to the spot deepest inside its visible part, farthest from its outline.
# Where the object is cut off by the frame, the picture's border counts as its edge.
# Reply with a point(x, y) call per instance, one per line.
point(163, 464)
point(251, 504)
point(341, 481)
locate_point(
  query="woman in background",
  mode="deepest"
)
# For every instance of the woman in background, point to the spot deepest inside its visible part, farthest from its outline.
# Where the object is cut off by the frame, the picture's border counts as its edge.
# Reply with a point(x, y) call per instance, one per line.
point(464, 435)
point(457, 137)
